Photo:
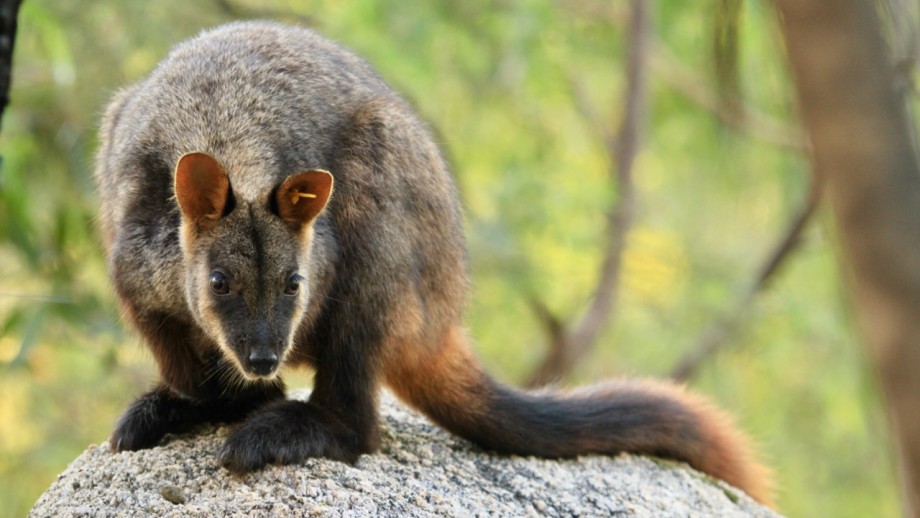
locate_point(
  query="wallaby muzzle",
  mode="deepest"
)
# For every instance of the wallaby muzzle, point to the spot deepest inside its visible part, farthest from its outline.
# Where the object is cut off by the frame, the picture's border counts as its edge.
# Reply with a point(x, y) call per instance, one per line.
point(262, 361)
point(259, 350)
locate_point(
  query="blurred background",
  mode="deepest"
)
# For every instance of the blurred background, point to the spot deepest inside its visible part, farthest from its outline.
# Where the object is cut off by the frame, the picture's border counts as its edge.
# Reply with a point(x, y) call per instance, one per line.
point(528, 101)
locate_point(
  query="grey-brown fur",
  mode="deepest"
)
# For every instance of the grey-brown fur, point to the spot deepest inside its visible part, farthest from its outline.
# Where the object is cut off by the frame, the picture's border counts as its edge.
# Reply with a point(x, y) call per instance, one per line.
point(384, 267)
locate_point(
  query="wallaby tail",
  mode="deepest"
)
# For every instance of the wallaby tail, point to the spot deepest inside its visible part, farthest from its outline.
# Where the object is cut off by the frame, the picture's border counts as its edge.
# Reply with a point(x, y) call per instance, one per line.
point(638, 416)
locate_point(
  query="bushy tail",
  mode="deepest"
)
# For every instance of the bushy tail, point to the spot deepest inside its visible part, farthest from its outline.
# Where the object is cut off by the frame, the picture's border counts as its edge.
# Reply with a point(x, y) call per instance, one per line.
point(638, 416)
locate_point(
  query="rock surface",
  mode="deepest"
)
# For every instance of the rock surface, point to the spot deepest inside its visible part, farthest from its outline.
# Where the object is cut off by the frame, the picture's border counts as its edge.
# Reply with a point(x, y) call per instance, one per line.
point(420, 471)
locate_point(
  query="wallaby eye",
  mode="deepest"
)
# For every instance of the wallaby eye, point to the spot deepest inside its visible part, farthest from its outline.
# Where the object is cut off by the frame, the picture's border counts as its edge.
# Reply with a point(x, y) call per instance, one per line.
point(292, 286)
point(219, 284)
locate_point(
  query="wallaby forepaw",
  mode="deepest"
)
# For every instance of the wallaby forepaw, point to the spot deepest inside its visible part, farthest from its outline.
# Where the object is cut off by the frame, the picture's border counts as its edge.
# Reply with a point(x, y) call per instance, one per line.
point(287, 432)
point(239, 457)
point(133, 439)
point(139, 428)
point(150, 417)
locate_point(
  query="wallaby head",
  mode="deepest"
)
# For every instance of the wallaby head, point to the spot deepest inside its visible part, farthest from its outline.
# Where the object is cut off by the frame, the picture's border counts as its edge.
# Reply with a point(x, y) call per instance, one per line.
point(247, 262)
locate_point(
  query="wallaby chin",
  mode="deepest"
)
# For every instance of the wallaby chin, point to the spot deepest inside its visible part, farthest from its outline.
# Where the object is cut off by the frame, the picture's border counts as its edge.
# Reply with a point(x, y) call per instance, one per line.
point(254, 264)
point(261, 378)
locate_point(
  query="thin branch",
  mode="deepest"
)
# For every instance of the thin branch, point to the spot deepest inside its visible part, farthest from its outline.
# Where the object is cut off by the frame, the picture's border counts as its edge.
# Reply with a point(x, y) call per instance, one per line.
point(9, 11)
point(588, 110)
point(726, 52)
point(573, 344)
point(553, 326)
point(569, 346)
point(740, 116)
point(721, 331)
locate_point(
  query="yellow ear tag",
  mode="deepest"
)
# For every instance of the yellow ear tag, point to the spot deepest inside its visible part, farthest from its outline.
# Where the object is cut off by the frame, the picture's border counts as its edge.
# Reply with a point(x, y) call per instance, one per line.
point(296, 196)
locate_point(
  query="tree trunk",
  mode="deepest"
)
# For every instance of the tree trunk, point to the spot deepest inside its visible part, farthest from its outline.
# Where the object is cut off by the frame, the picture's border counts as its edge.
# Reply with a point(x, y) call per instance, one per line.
point(861, 137)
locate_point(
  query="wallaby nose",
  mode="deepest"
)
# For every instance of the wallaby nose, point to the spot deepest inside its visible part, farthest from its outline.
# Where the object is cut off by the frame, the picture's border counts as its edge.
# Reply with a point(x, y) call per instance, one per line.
point(263, 361)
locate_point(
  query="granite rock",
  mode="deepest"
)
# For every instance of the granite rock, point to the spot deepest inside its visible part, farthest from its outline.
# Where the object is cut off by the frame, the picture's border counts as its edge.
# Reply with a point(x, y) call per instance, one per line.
point(420, 471)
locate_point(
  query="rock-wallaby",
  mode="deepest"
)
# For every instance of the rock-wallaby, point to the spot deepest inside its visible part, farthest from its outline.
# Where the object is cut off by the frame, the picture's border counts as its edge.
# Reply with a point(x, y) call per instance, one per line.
point(268, 200)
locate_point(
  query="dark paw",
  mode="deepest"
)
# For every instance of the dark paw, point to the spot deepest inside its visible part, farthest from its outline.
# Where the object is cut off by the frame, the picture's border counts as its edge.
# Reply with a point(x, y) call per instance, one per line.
point(287, 432)
point(128, 437)
point(161, 411)
point(142, 425)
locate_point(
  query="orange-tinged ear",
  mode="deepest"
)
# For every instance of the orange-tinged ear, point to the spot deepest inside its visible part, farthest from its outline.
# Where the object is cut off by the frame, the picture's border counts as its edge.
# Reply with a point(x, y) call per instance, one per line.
point(202, 187)
point(301, 197)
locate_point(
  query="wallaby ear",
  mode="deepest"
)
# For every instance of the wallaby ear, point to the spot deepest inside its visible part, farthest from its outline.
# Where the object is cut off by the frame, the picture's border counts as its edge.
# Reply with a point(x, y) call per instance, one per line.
point(202, 188)
point(301, 197)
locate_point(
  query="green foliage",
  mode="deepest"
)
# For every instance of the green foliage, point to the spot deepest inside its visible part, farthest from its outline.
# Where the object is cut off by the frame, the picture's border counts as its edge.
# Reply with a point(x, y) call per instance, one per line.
point(495, 80)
